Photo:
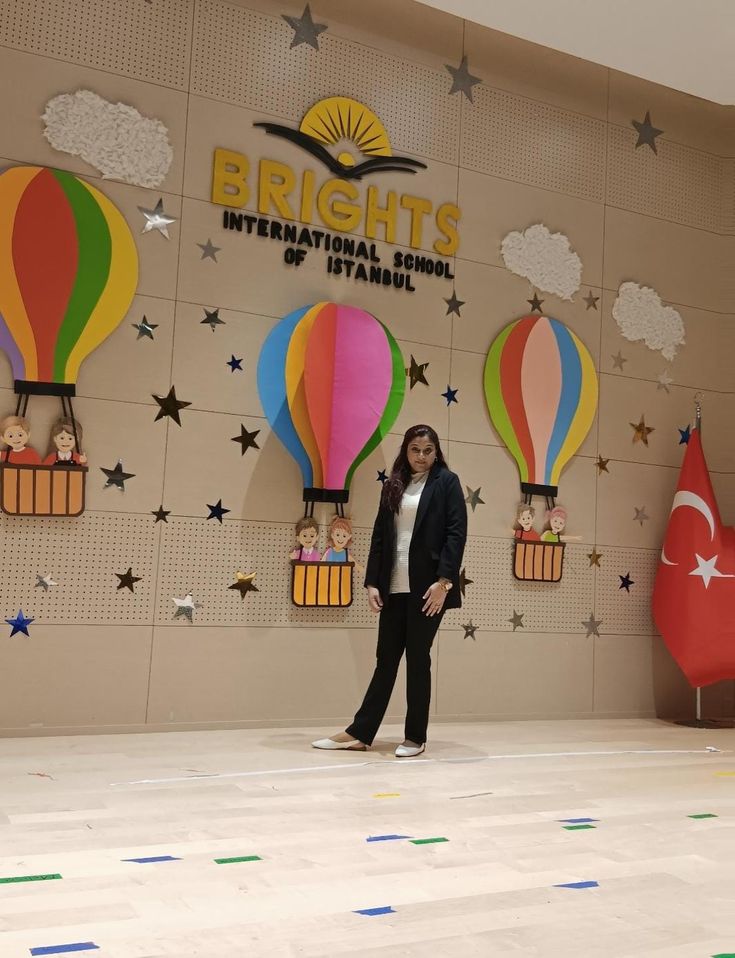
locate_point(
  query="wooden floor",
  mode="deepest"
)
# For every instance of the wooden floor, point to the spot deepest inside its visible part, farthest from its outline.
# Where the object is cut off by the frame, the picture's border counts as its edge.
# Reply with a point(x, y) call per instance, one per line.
point(487, 804)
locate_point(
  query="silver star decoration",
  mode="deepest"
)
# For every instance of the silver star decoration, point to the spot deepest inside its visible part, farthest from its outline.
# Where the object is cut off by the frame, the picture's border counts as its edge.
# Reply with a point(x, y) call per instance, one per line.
point(144, 328)
point(44, 582)
point(591, 300)
point(664, 381)
point(462, 79)
point(211, 319)
point(640, 515)
point(592, 625)
point(647, 132)
point(707, 569)
point(618, 361)
point(209, 250)
point(473, 497)
point(469, 631)
point(156, 219)
point(516, 620)
point(185, 607)
point(304, 29)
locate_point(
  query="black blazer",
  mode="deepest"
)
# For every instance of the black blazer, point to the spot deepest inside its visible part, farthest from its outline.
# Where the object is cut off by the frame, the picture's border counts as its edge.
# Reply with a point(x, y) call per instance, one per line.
point(437, 543)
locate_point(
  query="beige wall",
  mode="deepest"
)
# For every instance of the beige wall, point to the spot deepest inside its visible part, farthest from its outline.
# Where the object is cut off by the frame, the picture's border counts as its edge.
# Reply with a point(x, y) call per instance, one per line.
point(547, 139)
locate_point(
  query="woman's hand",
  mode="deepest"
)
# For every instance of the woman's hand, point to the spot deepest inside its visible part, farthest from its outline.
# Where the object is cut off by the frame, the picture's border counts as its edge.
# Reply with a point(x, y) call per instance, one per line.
point(435, 596)
point(374, 601)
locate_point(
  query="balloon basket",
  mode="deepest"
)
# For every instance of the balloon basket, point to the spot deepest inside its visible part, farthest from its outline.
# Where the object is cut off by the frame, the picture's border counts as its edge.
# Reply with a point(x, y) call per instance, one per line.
point(321, 585)
point(538, 561)
point(35, 490)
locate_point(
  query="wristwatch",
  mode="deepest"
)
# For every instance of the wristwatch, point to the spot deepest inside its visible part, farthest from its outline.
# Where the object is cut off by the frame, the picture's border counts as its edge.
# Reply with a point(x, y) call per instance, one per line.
point(446, 584)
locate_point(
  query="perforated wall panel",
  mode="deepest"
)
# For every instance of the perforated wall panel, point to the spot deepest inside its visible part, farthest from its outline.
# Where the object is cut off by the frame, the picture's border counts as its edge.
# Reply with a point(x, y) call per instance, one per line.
point(519, 139)
point(679, 184)
point(622, 612)
point(82, 555)
point(244, 57)
point(148, 41)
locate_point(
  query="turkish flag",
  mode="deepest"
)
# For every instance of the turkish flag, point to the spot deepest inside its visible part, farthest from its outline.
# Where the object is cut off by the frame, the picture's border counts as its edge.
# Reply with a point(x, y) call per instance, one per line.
point(694, 592)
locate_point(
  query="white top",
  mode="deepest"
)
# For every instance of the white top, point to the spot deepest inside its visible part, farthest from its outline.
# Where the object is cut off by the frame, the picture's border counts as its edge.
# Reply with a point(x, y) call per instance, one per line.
point(405, 520)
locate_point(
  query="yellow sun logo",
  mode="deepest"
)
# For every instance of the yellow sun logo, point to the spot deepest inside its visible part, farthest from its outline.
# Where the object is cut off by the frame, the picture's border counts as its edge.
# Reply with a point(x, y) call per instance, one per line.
point(340, 118)
point(344, 121)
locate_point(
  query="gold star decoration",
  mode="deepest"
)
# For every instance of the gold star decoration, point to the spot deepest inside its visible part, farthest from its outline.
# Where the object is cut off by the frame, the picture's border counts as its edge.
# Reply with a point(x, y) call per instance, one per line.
point(244, 583)
point(469, 631)
point(535, 303)
point(602, 465)
point(516, 620)
point(641, 431)
point(591, 300)
point(415, 373)
point(594, 557)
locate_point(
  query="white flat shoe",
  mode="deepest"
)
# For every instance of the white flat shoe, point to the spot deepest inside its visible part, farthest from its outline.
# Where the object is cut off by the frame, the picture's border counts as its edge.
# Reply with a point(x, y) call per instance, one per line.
point(352, 746)
point(409, 751)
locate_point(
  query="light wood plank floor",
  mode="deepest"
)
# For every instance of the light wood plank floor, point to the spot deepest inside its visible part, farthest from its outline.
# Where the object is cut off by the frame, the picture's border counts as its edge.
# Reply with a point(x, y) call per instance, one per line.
point(495, 792)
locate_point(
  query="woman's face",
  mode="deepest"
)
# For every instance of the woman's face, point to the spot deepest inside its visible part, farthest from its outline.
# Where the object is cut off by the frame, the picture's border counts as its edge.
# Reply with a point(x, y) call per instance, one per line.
point(421, 454)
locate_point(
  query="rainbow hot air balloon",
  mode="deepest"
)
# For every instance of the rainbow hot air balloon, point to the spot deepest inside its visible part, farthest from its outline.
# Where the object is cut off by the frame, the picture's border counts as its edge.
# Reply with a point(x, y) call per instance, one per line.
point(68, 273)
point(541, 392)
point(331, 382)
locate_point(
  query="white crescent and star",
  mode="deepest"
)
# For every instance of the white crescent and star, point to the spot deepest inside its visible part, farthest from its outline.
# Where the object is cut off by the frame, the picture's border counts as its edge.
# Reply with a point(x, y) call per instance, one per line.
point(686, 498)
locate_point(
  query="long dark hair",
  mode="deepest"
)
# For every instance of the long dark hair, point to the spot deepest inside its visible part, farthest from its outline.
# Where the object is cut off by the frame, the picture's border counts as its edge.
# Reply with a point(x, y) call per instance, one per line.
point(400, 474)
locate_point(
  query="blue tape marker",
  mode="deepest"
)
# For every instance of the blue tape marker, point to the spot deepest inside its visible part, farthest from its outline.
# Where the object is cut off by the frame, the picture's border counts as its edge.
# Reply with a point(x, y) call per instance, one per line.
point(386, 909)
point(65, 949)
point(579, 884)
point(577, 821)
point(385, 838)
point(154, 858)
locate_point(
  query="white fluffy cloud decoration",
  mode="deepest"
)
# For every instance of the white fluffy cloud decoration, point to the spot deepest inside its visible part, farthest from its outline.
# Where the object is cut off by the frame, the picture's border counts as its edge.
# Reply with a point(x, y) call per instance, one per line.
point(113, 137)
point(544, 258)
point(640, 314)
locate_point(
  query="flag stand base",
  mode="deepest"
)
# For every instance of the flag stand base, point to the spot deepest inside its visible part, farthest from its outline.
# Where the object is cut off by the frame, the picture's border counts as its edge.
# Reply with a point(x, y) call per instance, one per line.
point(706, 723)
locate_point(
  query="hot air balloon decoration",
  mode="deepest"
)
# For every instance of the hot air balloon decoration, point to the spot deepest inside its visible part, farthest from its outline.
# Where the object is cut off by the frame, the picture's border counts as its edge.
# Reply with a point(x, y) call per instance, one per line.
point(331, 382)
point(68, 273)
point(541, 392)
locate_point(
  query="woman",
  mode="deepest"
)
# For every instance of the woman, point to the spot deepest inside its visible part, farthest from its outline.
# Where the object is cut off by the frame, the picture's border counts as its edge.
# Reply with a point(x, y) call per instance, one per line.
point(412, 577)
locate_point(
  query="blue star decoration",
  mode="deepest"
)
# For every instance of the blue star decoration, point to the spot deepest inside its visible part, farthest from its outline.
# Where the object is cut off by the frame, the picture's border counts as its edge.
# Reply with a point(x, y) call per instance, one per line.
point(625, 582)
point(451, 395)
point(216, 511)
point(19, 624)
point(235, 364)
point(381, 477)
point(684, 435)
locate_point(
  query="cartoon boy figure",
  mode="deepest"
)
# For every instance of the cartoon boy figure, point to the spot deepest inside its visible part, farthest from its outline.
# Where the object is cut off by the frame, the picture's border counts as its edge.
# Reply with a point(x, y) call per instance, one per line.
point(62, 443)
point(307, 533)
point(556, 519)
point(15, 431)
point(523, 528)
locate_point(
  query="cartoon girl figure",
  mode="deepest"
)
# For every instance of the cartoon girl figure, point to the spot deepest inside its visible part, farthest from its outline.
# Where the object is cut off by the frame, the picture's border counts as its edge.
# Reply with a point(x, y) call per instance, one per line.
point(523, 528)
point(62, 442)
point(307, 533)
point(15, 432)
point(338, 538)
point(556, 519)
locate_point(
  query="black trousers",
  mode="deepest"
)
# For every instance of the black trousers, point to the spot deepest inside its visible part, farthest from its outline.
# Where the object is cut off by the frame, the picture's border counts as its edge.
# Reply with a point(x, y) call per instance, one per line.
point(403, 627)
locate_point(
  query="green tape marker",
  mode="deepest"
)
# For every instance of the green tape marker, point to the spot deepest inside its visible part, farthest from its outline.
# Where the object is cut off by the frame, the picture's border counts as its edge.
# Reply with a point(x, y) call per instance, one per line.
point(703, 815)
point(241, 858)
point(16, 878)
point(427, 841)
point(576, 828)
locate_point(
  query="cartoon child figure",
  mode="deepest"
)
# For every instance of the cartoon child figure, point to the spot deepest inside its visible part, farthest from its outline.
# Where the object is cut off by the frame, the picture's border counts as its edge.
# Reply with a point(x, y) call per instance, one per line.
point(523, 528)
point(15, 431)
point(556, 519)
point(307, 533)
point(338, 538)
point(62, 443)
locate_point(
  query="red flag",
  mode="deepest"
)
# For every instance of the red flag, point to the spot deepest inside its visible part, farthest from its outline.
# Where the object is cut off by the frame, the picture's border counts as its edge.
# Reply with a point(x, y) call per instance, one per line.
point(694, 592)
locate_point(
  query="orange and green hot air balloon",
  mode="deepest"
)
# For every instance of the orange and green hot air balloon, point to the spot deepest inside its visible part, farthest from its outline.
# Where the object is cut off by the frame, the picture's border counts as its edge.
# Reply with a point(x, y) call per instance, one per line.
point(68, 273)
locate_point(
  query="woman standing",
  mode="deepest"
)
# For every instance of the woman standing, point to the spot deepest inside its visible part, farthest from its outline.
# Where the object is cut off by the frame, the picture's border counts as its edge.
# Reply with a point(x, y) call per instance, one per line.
point(412, 577)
